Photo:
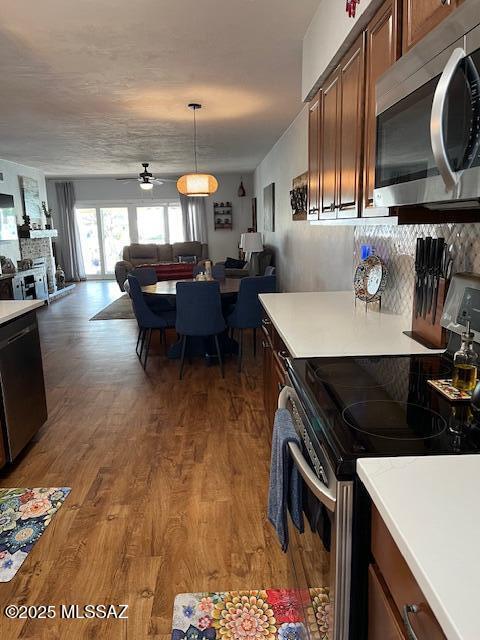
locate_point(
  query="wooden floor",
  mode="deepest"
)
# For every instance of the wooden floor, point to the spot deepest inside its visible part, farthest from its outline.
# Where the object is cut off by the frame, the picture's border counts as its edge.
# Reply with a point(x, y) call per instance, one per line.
point(168, 477)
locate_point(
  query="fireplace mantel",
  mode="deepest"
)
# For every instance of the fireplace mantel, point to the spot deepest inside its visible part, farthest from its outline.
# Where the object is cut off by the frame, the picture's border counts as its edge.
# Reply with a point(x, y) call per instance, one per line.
point(37, 234)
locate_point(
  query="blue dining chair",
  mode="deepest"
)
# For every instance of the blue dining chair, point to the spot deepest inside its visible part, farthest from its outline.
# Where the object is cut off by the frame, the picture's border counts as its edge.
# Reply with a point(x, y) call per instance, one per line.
point(199, 313)
point(218, 271)
point(144, 275)
point(156, 302)
point(247, 313)
point(147, 319)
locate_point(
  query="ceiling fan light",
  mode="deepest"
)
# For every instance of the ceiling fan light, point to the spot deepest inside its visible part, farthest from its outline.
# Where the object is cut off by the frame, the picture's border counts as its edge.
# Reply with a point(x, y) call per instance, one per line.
point(197, 185)
point(146, 186)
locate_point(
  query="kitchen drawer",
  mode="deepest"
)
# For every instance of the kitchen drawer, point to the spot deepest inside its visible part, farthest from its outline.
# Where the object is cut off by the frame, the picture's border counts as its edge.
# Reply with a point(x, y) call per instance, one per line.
point(401, 582)
point(384, 622)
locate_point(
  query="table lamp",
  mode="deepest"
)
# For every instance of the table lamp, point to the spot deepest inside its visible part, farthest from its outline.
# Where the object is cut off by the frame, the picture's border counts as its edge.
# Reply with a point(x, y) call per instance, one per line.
point(251, 243)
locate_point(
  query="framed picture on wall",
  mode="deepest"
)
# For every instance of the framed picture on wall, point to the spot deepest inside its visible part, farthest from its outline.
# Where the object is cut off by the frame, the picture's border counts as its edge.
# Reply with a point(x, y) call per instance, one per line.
point(269, 207)
point(254, 214)
point(32, 207)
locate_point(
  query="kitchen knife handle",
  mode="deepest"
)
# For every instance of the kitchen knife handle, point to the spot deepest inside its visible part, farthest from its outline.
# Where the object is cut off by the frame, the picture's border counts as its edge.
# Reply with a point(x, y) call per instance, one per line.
point(431, 257)
point(419, 254)
point(439, 256)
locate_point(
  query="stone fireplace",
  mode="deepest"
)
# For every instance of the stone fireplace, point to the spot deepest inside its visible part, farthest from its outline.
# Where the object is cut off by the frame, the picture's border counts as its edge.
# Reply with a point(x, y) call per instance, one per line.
point(39, 245)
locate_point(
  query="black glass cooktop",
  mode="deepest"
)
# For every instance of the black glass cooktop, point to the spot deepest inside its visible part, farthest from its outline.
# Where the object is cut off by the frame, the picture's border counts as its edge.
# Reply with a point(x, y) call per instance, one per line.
point(381, 406)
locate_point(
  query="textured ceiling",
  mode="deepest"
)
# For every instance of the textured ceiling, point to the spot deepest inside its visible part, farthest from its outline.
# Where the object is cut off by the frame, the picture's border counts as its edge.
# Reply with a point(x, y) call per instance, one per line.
point(95, 87)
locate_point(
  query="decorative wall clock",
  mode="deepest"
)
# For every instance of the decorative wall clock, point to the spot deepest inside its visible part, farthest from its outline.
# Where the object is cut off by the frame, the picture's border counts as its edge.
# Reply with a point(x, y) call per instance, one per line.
point(370, 279)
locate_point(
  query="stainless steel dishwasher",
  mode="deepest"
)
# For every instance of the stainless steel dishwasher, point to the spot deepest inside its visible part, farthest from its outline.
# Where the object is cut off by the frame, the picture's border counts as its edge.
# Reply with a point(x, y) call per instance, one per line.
point(24, 407)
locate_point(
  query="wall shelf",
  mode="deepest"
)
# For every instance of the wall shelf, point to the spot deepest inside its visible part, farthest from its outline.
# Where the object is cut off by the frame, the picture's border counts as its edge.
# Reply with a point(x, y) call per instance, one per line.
point(223, 216)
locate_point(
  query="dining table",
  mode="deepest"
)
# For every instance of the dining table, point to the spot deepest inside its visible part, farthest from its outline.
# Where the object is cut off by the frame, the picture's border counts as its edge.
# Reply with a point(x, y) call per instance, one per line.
point(197, 345)
point(228, 286)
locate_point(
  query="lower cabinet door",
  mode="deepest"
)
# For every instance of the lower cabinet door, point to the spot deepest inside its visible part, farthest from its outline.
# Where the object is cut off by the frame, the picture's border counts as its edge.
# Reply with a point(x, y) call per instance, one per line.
point(383, 620)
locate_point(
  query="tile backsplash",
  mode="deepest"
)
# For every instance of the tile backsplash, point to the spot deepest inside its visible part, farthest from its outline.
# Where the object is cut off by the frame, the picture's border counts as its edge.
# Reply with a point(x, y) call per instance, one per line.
point(396, 245)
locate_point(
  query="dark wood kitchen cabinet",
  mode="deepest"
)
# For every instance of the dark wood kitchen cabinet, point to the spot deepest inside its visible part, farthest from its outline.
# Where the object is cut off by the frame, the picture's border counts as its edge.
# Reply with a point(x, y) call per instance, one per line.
point(392, 587)
point(341, 136)
point(329, 131)
point(383, 48)
point(351, 118)
point(274, 371)
point(421, 16)
point(314, 158)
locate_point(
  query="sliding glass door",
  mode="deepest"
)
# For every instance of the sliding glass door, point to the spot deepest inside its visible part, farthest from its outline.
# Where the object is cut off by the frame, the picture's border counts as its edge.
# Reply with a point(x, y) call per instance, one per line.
point(104, 231)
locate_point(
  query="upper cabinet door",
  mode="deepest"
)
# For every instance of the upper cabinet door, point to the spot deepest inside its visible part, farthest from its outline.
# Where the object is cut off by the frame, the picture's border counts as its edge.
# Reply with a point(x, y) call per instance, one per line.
point(352, 95)
point(314, 158)
point(421, 16)
point(329, 148)
point(383, 49)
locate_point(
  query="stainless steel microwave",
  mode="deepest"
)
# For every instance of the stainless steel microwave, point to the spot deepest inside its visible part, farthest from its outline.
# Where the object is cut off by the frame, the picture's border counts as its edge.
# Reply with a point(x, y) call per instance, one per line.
point(428, 119)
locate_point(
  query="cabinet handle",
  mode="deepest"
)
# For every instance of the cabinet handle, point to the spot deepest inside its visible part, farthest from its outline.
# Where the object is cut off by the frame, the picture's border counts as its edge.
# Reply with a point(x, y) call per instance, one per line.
point(283, 355)
point(445, 2)
point(266, 321)
point(265, 345)
point(407, 610)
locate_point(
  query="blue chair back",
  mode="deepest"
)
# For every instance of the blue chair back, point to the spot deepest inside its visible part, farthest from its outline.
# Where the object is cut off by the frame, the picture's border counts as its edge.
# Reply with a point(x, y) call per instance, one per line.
point(199, 309)
point(144, 275)
point(218, 271)
point(146, 318)
point(269, 271)
point(248, 310)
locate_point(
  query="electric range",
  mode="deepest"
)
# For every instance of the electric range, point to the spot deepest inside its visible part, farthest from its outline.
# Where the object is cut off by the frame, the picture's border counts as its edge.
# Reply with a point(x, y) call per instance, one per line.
point(345, 408)
point(381, 406)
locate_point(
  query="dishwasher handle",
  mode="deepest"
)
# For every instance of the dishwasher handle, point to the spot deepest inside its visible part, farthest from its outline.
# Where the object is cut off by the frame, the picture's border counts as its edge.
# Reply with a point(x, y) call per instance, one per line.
point(17, 336)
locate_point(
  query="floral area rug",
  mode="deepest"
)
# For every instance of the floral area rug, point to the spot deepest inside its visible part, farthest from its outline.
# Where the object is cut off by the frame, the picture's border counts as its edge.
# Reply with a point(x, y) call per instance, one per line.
point(24, 516)
point(271, 614)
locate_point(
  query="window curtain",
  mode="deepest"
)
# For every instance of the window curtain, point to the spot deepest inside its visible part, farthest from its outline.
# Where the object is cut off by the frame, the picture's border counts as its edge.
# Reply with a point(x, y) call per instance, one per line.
point(194, 219)
point(71, 251)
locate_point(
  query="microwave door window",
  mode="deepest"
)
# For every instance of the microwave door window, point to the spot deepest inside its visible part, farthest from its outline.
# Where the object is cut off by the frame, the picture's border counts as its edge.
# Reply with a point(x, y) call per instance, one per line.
point(404, 148)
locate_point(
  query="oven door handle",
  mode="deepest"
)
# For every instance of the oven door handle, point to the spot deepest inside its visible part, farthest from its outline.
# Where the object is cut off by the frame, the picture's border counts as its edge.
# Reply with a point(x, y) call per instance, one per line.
point(319, 490)
point(449, 177)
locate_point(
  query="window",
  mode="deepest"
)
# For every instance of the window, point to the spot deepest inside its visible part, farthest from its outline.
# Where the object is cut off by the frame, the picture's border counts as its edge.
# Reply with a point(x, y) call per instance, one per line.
point(104, 231)
point(151, 225)
point(115, 235)
point(89, 241)
point(160, 224)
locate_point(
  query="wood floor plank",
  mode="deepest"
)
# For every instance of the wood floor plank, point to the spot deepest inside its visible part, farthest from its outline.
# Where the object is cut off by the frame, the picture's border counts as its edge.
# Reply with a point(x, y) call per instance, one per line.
point(169, 479)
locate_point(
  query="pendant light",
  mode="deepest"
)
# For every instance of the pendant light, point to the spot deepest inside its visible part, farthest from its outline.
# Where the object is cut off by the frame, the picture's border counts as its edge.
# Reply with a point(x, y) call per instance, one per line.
point(196, 185)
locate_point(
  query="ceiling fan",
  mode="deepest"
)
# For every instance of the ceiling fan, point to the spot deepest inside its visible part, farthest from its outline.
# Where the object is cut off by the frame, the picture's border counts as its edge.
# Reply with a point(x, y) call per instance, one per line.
point(146, 179)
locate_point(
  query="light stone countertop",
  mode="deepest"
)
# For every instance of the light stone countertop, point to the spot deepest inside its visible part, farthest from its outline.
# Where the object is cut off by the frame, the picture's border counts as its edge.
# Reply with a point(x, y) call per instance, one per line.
point(326, 324)
point(11, 309)
point(431, 507)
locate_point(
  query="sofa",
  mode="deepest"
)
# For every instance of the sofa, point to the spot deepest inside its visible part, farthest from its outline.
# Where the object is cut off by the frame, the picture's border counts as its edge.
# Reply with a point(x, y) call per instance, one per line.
point(254, 267)
point(135, 255)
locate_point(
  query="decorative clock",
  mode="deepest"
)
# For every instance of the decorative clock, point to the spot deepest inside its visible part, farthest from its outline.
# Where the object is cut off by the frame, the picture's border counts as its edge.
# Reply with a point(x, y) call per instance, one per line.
point(370, 279)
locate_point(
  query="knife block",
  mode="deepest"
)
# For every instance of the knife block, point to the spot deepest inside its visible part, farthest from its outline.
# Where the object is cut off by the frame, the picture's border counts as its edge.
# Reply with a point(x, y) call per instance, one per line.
point(433, 336)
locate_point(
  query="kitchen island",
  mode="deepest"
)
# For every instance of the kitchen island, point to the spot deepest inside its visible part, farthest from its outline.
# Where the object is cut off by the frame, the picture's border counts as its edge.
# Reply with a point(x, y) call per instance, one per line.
point(429, 505)
point(22, 398)
point(328, 324)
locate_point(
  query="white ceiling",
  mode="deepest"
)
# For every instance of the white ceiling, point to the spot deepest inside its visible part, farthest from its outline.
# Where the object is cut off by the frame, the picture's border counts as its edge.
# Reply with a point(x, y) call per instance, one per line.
point(97, 86)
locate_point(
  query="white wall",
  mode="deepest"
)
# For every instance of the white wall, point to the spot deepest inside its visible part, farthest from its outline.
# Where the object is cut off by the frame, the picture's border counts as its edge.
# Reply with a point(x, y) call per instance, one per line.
point(221, 243)
point(10, 185)
point(308, 258)
point(328, 36)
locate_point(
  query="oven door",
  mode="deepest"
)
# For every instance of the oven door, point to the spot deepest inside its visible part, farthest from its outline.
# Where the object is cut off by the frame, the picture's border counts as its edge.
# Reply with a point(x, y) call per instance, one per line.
point(320, 557)
point(428, 132)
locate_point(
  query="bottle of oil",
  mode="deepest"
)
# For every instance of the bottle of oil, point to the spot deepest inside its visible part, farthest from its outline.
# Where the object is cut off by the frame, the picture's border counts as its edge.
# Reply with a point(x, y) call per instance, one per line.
point(465, 363)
